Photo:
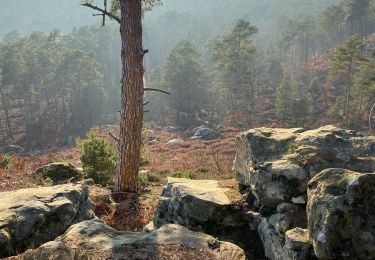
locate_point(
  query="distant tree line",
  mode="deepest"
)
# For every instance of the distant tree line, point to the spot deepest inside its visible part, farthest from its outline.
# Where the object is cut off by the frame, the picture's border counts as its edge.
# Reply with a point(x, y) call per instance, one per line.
point(319, 71)
point(312, 70)
point(54, 86)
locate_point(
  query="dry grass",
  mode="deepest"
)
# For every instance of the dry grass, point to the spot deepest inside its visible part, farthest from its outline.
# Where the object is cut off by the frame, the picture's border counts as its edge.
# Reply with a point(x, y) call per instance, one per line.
point(200, 160)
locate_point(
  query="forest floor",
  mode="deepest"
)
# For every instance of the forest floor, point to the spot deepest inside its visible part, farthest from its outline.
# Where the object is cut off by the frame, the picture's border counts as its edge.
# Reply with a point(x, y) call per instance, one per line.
point(198, 159)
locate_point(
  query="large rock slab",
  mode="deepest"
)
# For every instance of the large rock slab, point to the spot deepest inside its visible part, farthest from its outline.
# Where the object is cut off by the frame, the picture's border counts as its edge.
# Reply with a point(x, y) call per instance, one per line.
point(276, 164)
point(94, 240)
point(31, 217)
point(202, 205)
point(195, 204)
point(341, 214)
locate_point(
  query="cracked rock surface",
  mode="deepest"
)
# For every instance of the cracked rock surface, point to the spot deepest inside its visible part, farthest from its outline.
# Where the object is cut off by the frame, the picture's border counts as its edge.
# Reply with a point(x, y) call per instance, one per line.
point(31, 217)
point(92, 239)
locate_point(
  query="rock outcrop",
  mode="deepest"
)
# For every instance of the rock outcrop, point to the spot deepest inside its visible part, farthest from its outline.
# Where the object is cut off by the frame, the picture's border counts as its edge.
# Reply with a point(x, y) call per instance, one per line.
point(178, 143)
point(205, 133)
point(276, 164)
point(195, 204)
point(202, 205)
point(56, 173)
point(94, 240)
point(341, 213)
point(31, 217)
point(281, 170)
point(272, 229)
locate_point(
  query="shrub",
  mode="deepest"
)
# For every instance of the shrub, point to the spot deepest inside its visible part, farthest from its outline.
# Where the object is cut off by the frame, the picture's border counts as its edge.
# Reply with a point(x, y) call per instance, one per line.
point(184, 175)
point(98, 159)
point(6, 162)
point(143, 179)
point(144, 160)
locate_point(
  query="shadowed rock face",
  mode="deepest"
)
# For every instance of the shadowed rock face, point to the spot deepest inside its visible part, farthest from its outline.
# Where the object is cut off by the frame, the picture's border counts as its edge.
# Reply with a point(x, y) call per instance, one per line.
point(276, 164)
point(31, 217)
point(341, 213)
point(202, 205)
point(94, 240)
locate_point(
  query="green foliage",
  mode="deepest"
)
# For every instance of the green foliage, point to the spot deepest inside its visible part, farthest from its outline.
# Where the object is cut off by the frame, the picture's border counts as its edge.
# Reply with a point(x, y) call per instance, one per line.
point(285, 94)
point(98, 159)
point(347, 58)
point(60, 81)
point(364, 93)
point(234, 57)
point(184, 175)
point(183, 75)
point(6, 162)
point(143, 179)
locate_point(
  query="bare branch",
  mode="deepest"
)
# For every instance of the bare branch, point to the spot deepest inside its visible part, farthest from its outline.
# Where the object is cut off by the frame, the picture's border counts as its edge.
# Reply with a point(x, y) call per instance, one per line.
point(370, 117)
point(157, 90)
point(114, 137)
point(104, 12)
point(145, 104)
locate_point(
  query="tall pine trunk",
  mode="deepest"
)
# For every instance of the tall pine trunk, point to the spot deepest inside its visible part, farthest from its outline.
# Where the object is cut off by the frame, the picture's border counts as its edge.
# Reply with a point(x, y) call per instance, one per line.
point(132, 96)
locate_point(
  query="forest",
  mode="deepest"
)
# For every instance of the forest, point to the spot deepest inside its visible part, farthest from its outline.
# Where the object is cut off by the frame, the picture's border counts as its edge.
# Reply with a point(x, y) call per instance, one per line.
point(291, 68)
point(187, 129)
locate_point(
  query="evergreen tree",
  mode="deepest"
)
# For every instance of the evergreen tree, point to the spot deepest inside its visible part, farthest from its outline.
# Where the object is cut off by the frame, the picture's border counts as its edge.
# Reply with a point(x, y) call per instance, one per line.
point(285, 96)
point(364, 93)
point(345, 61)
point(234, 57)
point(184, 77)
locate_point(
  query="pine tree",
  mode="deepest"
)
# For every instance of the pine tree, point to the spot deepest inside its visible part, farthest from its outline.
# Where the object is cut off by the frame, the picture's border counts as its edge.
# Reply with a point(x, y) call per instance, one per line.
point(184, 77)
point(344, 63)
point(128, 13)
point(285, 96)
point(234, 55)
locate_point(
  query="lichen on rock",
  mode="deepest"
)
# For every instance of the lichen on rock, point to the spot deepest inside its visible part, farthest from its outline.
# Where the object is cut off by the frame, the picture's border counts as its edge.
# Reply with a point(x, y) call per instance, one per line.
point(341, 214)
point(30, 217)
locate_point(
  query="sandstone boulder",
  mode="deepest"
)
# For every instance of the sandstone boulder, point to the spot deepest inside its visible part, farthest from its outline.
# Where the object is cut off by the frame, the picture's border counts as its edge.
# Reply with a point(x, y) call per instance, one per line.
point(178, 143)
point(276, 164)
point(205, 133)
point(272, 229)
point(58, 173)
point(341, 214)
point(202, 205)
point(298, 245)
point(31, 217)
point(195, 204)
point(94, 240)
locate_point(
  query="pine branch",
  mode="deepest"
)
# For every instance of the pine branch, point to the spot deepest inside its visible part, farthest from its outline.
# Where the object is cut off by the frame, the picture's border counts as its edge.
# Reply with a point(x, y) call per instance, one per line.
point(104, 12)
point(157, 90)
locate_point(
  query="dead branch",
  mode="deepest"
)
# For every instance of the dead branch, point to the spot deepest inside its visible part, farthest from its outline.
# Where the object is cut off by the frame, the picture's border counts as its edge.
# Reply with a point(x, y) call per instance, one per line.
point(370, 117)
point(157, 90)
point(114, 137)
point(104, 12)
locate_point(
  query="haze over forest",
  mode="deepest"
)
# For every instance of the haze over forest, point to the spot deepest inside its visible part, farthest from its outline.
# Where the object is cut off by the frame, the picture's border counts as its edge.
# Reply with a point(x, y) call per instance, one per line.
point(280, 75)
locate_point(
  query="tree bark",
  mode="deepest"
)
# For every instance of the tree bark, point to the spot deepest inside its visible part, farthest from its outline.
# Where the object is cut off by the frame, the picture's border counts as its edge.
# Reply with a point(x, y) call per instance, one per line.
point(132, 96)
point(6, 111)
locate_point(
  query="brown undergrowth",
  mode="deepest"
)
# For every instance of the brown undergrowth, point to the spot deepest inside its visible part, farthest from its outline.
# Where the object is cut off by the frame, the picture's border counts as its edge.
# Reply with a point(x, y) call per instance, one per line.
point(199, 159)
